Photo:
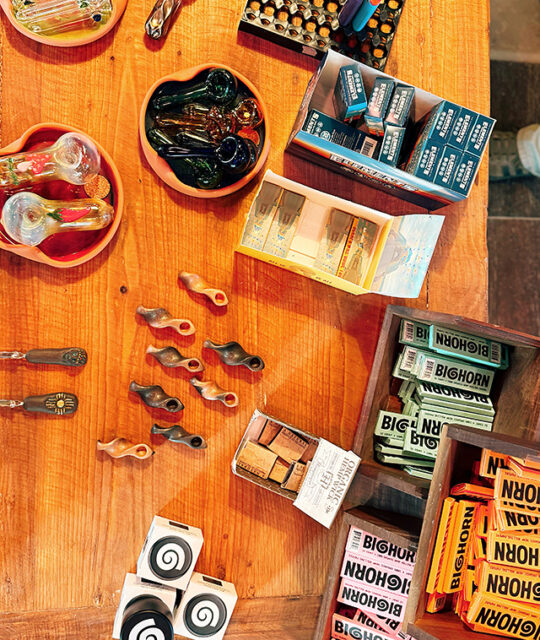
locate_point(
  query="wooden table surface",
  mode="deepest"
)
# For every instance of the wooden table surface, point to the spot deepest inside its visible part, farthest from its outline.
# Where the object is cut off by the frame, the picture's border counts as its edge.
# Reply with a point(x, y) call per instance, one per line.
point(72, 521)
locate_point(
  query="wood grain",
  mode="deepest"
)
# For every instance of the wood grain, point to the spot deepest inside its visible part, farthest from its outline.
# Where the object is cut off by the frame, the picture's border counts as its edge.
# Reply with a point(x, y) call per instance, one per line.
point(72, 520)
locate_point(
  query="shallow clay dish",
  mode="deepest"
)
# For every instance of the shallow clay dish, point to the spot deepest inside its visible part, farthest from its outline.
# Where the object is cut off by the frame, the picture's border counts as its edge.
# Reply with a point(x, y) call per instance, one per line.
point(162, 168)
point(69, 39)
point(71, 248)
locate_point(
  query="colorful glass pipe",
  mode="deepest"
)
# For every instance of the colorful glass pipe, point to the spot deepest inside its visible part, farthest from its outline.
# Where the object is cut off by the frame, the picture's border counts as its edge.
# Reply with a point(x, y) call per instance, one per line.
point(160, 18)
point(51, 17)
point(216, 123)
point(247, 113)
point(29, 219)
point(73, 158)
point(220, 87)
point(235, 154)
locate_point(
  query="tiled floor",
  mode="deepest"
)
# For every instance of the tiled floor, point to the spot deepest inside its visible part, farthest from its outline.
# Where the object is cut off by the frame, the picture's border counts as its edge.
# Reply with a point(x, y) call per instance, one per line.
point(514, 208)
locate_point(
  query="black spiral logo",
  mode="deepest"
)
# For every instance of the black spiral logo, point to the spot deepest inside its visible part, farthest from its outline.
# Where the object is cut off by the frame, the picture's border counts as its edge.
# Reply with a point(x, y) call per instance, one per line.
point(383, 605)
point(170, 558)
point(528, 628)
point(394, 582)
point(536, 591)
point(382, 546)
point(146, 627)
point(205, 615)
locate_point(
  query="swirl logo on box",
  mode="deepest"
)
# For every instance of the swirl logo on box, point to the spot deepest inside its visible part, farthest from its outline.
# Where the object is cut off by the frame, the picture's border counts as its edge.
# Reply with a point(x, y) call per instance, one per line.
point(205, 615)
point(170, 558)
point(156, 627)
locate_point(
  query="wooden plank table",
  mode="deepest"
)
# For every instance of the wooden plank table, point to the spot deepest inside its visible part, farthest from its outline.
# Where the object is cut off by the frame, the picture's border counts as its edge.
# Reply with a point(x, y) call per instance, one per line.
point(72, 521)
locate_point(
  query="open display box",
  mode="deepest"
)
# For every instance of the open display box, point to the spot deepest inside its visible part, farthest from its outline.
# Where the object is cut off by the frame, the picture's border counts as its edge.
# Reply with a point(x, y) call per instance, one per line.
point(328, 474)
point(368, 170)
point(340, 243)
point(460, 448)
point(515, 392)
point(378, 523)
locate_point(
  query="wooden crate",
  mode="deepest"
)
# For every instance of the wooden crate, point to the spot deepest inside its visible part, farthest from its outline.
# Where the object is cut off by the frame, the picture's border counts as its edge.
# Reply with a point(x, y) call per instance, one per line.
point(378, 523)
point(460, 448)
point(516, 391)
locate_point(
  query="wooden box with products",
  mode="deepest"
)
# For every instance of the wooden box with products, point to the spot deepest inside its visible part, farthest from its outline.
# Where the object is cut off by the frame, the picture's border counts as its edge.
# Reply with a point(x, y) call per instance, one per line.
point(514, 393)
point(378, 525)
point(466, 452)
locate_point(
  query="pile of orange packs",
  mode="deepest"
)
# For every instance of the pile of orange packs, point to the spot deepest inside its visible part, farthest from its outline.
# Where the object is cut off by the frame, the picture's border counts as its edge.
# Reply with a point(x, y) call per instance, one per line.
point(486, 558)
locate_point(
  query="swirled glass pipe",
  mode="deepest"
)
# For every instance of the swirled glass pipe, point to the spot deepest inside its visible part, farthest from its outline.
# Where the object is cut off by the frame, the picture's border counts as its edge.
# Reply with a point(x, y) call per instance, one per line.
point(52, 17)
point(73, 158)
point(29, 219)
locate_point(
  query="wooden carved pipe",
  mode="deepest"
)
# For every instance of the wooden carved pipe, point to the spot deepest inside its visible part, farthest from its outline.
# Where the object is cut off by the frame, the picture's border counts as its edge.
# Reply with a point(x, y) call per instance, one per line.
point(177, 433)
point(170, 357)
point(234, 354)
point(210, 390)
point(121, 447)
point(160, 318)
point(154, 396)
point(196, 283)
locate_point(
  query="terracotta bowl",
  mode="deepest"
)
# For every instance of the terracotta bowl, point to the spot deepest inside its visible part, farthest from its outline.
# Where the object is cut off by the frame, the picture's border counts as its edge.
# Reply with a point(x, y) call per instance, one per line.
point(74, 39)
point(162, 168)
point(71, 248)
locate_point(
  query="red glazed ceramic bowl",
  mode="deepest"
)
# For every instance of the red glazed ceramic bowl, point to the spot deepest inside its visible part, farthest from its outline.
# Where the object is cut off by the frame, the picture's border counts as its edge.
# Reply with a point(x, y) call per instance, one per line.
point(71, 248)
point(162, 168)
point(68, 39)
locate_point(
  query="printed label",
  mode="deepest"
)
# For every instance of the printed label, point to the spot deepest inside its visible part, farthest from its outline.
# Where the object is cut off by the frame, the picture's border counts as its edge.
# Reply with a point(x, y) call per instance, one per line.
point(460, 375)
point(425, 446)
point(346, 629)
point(381, 578)
point(380, 603)
point(490, 462)
point(510, 583)
point(326, 482)
point(503, 617)
point(393, 424)
point(465, 516)
point(465, 345)
point(513, 549)
point(523, 491)
point(414, 333)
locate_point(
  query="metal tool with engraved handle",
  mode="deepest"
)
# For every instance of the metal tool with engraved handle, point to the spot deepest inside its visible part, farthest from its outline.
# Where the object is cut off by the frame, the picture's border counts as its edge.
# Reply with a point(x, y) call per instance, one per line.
point(160, 18)
point(56, 403)
point(70, 357)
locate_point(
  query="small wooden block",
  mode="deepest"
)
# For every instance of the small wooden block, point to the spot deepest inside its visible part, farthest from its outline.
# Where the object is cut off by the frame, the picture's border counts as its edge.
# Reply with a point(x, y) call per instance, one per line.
point(270, 431)
point(288, 445)
point(279, 471)
point(256, 459)
point(295, 477)
point(308, 454)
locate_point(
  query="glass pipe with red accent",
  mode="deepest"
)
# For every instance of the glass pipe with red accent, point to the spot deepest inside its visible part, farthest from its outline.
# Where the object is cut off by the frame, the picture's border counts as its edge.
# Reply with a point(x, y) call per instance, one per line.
point(28, 218)
point(73, 158)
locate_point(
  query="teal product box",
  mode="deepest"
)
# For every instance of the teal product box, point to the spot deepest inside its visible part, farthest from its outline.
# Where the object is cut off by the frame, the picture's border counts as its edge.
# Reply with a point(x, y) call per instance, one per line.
point(462, 128)
point(400, 107)
point(465, 173)
point(414, 333)
point(350, 100)
point(468, 347)
point(454, 373)
point(366, 145)
point(368, 170)
point(379, 100)
point(391, 145)
point(446, 171)
point(424, 164)
point(328, 128)
point(480, 134)
point(439, 122)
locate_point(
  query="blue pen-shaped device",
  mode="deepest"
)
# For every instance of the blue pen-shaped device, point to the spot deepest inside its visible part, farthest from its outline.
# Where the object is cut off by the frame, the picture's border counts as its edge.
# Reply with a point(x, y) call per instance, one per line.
point(363, 14)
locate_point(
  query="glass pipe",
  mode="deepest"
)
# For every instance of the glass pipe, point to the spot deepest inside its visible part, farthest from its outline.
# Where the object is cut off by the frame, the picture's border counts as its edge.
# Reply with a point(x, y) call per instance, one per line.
point(57, 16)
point(220, 87)
point(206, 173)
point(29, 219)
point(215, 122)
point(160, 18)
point(73, 158)
point(247, 113)
point(235, 154)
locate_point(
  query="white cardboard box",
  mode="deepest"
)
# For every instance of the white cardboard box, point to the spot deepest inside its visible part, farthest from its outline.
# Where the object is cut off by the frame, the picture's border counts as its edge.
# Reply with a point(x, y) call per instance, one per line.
point(169, 553)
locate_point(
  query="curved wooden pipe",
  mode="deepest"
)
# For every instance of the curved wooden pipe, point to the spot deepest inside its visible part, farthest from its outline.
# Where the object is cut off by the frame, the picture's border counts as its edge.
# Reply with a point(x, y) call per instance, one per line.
point(172, 358)
point(196, 283)
point(210, 390)
point(160, 318)
point(121, 447)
